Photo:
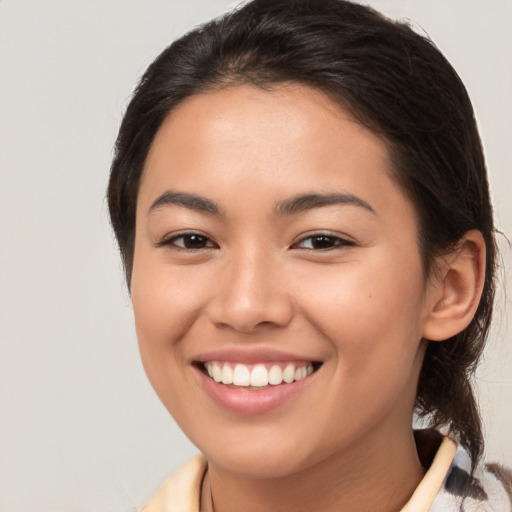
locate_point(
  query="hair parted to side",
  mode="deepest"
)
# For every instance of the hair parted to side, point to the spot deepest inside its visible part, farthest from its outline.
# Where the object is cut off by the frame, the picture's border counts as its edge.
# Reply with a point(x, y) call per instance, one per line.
point(393, 81)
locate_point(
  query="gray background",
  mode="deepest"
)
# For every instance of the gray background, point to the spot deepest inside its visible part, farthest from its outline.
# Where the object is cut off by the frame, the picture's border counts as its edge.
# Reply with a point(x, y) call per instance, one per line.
point(80, 428)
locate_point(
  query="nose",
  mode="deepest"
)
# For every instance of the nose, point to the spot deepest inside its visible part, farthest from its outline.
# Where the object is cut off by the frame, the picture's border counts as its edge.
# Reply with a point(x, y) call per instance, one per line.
point(251, 295)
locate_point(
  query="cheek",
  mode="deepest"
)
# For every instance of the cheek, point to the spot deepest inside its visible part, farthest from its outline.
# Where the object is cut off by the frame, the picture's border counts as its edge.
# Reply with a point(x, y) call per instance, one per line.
point(166, 299)
point(371, 314)
point(375, 337)
point(369, 297)
point(165, 305)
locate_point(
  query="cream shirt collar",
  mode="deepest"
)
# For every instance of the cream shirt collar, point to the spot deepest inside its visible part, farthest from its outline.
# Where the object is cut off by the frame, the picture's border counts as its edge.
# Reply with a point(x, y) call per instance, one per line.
point(182, 491)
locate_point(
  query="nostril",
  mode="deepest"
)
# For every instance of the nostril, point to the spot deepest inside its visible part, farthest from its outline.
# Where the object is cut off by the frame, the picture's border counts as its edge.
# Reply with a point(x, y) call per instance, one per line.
point(250, 317)
point(250, 298)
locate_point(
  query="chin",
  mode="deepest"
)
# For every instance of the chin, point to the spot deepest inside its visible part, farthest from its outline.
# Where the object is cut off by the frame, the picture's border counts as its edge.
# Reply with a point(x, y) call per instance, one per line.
point(268, 464)
point(260, 454)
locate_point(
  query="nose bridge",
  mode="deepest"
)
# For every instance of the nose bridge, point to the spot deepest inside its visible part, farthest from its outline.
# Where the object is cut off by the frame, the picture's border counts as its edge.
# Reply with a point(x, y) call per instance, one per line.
point(251, 290)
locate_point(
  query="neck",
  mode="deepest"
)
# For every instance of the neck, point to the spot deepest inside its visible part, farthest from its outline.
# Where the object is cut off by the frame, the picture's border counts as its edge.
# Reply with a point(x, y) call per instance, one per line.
point(377, 475)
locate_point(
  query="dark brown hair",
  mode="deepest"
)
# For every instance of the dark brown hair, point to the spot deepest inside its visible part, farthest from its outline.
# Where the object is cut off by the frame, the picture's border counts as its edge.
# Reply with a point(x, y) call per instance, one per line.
point(393, 81)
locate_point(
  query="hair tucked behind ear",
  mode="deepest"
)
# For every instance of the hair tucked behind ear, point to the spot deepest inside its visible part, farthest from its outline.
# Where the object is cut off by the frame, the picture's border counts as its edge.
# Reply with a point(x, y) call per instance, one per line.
point(393, 81)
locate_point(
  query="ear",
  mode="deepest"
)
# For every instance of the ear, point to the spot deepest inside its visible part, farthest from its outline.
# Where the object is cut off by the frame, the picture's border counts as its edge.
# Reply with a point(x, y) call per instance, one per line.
point(456, 288)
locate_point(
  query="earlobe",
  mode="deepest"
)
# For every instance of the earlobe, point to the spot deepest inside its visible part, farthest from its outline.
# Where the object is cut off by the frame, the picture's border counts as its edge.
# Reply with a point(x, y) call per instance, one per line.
point(457, 291)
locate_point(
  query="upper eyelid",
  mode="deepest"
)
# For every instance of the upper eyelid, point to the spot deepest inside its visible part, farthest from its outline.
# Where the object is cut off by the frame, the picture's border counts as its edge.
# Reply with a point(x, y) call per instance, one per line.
point(336, 236)
point(167, 239)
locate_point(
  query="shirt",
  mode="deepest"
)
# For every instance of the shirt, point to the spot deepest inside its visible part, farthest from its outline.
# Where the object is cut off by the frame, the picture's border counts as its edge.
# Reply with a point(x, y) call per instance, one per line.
point(447, 485)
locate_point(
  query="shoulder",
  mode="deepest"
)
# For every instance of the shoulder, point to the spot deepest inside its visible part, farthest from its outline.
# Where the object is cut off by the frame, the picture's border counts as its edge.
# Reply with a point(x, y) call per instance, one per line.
point(503, 474)
point(181, 491)
point(488, 489)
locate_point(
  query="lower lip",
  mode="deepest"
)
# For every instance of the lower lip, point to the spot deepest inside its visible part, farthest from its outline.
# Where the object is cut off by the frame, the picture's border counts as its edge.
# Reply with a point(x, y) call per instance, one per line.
point(255, 401)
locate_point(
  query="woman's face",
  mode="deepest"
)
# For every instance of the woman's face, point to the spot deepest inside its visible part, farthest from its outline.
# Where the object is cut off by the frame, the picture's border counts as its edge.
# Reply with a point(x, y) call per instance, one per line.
point(273, 244)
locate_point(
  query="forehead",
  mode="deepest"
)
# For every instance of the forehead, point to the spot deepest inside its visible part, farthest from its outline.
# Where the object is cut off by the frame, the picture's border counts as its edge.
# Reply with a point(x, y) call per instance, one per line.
point(286, 141)
point(237, 110)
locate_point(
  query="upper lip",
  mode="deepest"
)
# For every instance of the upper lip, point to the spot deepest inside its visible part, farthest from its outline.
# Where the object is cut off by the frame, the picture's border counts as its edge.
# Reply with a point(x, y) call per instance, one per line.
point(251, 355)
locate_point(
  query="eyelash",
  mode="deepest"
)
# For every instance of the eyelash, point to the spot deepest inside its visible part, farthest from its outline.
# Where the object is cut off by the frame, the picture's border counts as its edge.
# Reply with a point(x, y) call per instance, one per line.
point(328, 241)
point(333, 240)
point(172, 241)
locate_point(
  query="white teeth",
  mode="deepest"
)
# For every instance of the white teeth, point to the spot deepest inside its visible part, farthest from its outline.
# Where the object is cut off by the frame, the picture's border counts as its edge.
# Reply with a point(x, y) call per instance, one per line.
point(241, 375)
point(217, 372)
point(275, 375)
point(260, 376)
point(227, 374)
point(289, 373)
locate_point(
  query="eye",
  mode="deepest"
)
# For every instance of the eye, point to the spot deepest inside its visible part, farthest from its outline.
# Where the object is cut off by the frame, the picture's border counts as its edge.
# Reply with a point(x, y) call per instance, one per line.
point(189, 241)
point(322, 241)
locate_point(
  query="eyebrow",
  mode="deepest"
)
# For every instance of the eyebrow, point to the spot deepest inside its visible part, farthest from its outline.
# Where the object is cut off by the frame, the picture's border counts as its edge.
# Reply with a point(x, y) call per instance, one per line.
point(306, 202)
point(187, 200)
point(293, 205)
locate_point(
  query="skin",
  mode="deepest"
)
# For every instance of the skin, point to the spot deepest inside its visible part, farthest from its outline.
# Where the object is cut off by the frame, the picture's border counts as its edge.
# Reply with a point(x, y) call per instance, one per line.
point(360, 306)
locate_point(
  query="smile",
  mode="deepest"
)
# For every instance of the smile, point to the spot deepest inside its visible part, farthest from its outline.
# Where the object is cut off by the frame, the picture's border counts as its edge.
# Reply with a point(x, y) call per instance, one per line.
point(256, 387)
point(257, 376)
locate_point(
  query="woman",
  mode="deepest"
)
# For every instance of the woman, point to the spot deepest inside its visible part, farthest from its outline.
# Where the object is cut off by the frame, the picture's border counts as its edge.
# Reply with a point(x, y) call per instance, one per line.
point(301, 203)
